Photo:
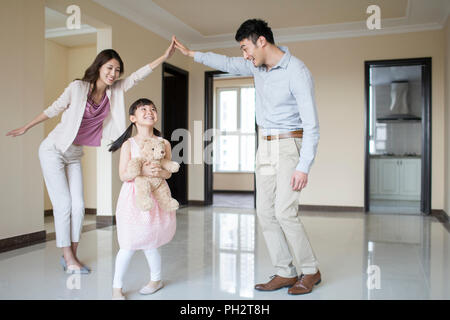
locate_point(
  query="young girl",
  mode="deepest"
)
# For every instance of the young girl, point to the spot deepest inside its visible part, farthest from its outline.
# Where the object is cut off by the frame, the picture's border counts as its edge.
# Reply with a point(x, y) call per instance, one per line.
point(140, 230)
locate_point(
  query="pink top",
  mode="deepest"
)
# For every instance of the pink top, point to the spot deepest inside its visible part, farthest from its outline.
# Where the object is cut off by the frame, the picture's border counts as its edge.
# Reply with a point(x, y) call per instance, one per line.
point(91, 127)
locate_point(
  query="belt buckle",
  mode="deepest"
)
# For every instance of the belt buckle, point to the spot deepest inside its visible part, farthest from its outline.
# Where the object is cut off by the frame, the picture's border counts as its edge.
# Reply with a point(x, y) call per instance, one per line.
point(272, 137)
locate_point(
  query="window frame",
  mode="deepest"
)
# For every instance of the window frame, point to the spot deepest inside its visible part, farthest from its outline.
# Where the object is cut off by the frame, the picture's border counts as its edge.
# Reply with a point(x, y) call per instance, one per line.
point(230, 133)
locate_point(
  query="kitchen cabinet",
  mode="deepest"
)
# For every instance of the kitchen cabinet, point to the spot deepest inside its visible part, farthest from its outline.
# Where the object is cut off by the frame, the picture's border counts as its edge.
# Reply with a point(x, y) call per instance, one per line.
point(395, 178)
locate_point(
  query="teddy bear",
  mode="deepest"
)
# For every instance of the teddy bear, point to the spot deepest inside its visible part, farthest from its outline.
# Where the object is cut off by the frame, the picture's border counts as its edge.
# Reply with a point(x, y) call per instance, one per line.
point(152, 150)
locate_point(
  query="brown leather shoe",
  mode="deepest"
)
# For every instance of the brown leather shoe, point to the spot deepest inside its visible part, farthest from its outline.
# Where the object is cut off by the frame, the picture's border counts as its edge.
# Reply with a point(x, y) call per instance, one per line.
point(276, 283)
point(305, 283)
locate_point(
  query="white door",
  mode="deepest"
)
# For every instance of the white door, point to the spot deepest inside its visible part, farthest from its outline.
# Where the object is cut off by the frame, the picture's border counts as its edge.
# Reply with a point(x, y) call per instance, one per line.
point(410, 178)
point(389, 176)
point(374, 176)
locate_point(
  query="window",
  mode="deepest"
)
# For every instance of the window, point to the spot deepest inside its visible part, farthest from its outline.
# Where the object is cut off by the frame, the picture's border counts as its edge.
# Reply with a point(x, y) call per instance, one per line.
point(377, 130)
point(235, 120)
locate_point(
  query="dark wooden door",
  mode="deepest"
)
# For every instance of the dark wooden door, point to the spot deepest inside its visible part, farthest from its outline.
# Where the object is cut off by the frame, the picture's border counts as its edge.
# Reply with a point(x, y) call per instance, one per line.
point(175, 116)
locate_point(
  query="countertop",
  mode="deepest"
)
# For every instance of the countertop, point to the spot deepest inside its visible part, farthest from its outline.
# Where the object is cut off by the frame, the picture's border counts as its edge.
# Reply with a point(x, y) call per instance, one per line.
point(381, 156)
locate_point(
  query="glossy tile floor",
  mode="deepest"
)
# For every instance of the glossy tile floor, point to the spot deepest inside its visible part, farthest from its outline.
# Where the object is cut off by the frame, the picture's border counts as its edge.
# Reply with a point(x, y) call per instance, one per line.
point(219, 253)
point(89, 220)
point(233, 200)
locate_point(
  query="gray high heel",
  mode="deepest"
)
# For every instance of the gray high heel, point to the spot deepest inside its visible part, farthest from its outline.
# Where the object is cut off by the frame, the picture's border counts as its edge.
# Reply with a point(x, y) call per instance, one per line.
point(83, 270)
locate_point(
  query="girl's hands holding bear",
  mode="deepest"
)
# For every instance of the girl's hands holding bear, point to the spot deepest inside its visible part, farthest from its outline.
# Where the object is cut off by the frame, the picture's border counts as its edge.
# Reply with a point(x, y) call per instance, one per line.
point(151, 169)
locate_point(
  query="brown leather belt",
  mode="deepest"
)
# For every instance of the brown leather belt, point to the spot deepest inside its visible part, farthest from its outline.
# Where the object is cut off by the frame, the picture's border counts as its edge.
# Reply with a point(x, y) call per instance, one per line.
point(290, 134)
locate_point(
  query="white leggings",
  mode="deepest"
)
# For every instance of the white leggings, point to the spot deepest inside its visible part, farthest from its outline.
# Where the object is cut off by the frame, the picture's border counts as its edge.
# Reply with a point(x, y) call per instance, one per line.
point(123, 259)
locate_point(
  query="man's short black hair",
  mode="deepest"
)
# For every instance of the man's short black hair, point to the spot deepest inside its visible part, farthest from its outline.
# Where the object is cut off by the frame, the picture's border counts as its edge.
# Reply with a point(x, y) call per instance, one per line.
point(254, 28)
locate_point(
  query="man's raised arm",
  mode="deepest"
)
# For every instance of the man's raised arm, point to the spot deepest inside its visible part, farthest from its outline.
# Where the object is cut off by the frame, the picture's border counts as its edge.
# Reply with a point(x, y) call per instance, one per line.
point(233, 65)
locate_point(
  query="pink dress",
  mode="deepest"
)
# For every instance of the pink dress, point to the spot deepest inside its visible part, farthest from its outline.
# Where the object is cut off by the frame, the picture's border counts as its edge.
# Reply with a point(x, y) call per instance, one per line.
point(141, 230)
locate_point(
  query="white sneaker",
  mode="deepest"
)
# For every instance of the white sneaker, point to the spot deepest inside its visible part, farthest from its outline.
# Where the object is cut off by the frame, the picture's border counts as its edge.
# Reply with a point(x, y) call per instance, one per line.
point(150, 290)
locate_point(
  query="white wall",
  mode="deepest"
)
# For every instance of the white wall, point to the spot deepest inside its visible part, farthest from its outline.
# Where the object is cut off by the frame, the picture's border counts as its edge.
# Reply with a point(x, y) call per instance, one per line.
point(22, 92)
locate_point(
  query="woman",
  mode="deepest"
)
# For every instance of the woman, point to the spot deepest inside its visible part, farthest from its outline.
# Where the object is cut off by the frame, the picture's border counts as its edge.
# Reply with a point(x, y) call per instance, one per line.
point(92, 107)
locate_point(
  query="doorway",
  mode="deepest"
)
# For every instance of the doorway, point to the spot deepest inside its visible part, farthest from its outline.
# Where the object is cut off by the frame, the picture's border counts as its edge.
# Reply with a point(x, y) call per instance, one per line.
point(398, 136)
point(229, 108)
point(175, 102)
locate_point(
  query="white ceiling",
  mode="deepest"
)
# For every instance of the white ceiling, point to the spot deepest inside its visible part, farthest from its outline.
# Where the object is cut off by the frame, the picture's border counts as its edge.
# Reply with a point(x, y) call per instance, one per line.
point(213, 17)
point(207, 24)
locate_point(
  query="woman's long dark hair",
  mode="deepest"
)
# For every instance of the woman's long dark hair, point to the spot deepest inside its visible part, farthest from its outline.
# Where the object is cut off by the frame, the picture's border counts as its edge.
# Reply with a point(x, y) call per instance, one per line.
point(92, 73)
point(127, 134)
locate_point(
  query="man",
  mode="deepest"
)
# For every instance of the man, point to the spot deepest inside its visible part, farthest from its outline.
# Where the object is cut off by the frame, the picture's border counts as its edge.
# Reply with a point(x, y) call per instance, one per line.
point(287, 116)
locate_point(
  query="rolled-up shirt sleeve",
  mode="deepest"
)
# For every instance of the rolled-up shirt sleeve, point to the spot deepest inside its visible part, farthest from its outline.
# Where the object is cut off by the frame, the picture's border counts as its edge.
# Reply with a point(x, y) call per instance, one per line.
point(302, 87)
point(233, 65)
point(60, 104)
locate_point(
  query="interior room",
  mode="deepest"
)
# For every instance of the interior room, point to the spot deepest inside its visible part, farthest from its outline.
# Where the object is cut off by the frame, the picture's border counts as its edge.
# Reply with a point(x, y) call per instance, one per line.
point(234, 117)
point(374, 205)
point(396, 139)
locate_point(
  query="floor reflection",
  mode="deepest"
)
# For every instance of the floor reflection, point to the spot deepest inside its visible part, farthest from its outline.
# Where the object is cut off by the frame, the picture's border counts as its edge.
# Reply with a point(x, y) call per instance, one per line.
point(234, 253)
point(219, 253)
point(398, 247)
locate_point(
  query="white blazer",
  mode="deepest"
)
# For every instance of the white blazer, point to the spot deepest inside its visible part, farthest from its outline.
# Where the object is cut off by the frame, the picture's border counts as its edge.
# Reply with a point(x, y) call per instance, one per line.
point(73, 102)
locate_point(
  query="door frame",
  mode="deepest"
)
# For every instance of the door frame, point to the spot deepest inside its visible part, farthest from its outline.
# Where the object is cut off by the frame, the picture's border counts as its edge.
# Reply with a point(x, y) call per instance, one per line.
point(425, 197)
point(169, 68)
point(209, 124)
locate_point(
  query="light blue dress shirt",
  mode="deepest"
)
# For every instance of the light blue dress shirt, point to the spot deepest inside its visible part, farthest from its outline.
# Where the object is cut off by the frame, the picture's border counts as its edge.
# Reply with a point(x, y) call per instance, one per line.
point(284, 97)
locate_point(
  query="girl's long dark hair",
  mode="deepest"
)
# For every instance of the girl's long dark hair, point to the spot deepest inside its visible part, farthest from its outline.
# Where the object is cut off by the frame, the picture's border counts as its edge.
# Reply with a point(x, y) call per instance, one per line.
point(127, 134)
point(92, 73)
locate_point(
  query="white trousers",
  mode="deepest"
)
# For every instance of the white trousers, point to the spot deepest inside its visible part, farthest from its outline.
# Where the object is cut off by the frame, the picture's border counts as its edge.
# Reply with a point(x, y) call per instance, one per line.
point(123, 259)
point(64, 180)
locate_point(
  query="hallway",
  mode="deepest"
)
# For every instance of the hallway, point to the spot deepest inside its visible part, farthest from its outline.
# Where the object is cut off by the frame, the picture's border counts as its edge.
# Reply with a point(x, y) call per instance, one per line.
point(219, 253)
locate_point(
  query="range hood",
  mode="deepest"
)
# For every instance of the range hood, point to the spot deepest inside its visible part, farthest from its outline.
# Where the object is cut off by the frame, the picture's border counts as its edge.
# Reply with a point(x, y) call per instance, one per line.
point(399, 108)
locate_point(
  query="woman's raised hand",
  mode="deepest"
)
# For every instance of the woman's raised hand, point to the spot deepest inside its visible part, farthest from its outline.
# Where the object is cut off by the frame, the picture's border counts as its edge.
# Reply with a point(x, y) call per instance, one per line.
point(17, 132)
point(169, 52)
point(184, 50)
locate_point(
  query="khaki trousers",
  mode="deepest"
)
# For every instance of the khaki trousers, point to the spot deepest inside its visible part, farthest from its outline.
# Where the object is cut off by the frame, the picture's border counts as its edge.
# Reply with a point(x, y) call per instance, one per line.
point(277, 207)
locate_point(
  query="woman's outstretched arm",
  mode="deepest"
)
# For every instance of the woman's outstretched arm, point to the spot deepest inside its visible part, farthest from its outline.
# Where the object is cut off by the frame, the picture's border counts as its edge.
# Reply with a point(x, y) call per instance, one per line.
point(57, 107)
point(20, 131)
